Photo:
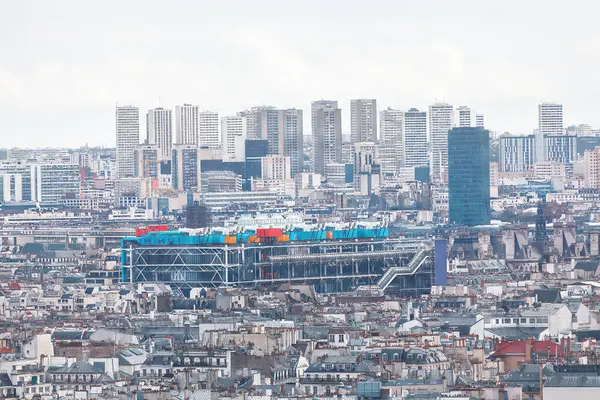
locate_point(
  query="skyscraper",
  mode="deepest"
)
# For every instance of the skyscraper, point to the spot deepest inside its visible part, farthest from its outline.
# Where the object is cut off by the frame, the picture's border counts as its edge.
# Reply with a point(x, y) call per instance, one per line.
point(128, 138)
point(159, 129)
point(208, 130)
point(469, 176)
point(363, 120)
point(269, 126)
point(414, 143)
point(293, 139)
point(441, 120)
point(550, 122)
point(550, 119)
point(186, 124)
point(326, 119)
point(233, 135)
point(390, 140)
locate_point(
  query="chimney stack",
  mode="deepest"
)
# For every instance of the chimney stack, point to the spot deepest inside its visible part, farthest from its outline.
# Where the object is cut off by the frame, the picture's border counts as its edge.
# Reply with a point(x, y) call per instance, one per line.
point(528, 349)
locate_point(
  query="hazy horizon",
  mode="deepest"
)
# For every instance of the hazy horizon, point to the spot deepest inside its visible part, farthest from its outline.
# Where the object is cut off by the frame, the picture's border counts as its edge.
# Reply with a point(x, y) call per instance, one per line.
point(66, 65)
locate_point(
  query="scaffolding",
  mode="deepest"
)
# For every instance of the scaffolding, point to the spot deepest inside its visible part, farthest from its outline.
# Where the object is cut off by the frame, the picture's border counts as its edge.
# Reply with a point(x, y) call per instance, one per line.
point(329, 266)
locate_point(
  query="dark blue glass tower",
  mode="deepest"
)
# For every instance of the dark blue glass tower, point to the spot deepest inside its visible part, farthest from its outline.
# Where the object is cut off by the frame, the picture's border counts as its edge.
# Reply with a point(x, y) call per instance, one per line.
point(469, 176)
point(255, 150)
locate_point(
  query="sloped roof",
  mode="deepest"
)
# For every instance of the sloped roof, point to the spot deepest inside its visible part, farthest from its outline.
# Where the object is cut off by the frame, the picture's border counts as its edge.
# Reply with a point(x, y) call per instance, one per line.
point(79, 367)
point(519, 347)
point(72, 335)
point(551, 295)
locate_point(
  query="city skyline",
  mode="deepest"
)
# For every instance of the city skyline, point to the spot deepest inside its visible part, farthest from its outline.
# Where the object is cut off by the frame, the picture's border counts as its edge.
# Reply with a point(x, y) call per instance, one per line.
point(75, 96)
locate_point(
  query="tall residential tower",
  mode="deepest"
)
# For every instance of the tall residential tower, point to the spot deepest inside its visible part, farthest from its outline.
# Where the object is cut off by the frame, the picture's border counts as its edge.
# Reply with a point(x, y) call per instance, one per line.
point(208, 130)
point(293, 139)
point(441, 120)
point(390, 140)
point(550, 122)
point(414, 143)
point(128, 138)
point(186, 124)
point(159, 130)
point(363, 120)
point(326, 121)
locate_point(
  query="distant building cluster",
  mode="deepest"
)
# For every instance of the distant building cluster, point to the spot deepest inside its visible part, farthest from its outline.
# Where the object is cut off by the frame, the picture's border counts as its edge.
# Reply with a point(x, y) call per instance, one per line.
point(418, 256)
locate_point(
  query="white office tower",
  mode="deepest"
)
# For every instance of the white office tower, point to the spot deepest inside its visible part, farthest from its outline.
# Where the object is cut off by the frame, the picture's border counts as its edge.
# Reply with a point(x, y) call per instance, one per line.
point(186, 124)
point(208, 130)
point(293, 139)
point(363, 120)
point(326, 121)
point(550, 119)
point(367, 171)
point(233, 134)
point(275, 167)
point(414, 141)
point(550, 122)
point(128, 138)
point(466, 117)
point(159, 130)
point(441, 120)
point(390, 140)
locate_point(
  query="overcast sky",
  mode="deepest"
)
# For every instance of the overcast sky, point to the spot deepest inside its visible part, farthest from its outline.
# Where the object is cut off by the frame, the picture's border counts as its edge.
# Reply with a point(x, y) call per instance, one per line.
point(64, 65)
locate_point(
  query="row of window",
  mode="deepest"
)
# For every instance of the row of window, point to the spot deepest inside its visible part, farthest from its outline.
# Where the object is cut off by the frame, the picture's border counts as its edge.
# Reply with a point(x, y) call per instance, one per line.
point(540, 320)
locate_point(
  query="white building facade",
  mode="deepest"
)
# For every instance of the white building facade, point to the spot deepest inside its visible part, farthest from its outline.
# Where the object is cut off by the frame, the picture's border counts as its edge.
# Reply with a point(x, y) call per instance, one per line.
point(233, 133)
point(390, 140)
point(414, 143)
point(186, 124)
point(326, 120)
point(441, 120)
point(550, 122)
point(159, 131)
point(128, 138)
point(208, 130)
